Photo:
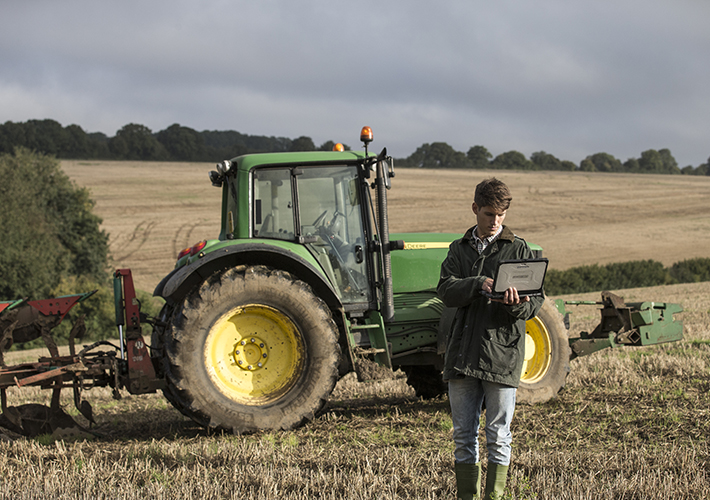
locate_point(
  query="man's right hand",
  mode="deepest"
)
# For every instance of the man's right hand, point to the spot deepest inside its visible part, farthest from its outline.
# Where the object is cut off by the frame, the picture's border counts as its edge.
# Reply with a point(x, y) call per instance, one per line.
point(510, 298)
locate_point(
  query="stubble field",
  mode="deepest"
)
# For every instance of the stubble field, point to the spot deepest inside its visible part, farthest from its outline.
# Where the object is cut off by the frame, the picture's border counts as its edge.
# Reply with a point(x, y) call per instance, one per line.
point(153, 210)
point(631, 423)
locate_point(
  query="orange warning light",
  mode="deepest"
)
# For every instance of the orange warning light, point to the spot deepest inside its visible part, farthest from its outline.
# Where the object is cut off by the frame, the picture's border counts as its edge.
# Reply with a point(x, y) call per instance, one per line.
point(366, 135)
point(338, 147)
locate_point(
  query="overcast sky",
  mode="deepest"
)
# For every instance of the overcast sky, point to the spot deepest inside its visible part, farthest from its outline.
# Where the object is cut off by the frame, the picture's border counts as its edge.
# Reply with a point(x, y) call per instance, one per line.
point(571, 78)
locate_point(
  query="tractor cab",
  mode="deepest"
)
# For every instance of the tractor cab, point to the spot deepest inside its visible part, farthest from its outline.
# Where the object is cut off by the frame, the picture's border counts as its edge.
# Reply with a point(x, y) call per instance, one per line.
point(319, 203)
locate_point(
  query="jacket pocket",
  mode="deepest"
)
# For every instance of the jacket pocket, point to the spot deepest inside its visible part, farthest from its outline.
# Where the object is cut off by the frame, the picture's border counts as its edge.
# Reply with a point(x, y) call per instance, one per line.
point(499, 351)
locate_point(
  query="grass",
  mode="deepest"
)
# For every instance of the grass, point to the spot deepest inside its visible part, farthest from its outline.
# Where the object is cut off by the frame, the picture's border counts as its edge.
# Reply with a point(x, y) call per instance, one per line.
point(631, 423)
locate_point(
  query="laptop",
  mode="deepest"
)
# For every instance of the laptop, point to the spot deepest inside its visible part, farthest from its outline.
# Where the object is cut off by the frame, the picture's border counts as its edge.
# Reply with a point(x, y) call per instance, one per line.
point(527, 276)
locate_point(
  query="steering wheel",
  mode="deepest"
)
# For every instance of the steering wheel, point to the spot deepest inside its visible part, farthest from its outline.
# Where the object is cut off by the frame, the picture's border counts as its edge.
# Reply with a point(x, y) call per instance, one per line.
point(331, 225)
point(320, 219)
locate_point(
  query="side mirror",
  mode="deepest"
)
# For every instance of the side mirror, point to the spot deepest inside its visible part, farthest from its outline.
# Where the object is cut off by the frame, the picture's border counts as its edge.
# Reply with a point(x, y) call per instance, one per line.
point(216, 178)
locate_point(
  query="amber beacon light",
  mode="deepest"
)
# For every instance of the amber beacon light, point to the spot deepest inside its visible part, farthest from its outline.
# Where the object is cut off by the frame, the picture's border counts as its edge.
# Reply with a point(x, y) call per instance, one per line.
point(366, 135)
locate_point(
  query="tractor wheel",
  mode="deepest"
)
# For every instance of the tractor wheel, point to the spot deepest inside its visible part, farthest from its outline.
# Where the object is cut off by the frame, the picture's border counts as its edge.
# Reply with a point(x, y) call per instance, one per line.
point(251, 349)
point(161, 362)
point(426, 381)
point(547, 356)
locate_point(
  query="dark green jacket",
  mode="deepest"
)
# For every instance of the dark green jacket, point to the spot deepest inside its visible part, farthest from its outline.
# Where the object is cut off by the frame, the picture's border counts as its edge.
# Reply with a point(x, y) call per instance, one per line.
point(487, 339)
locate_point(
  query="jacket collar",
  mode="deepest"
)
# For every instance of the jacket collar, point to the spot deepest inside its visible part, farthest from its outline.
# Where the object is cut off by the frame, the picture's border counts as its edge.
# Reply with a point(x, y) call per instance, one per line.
point(506, 234)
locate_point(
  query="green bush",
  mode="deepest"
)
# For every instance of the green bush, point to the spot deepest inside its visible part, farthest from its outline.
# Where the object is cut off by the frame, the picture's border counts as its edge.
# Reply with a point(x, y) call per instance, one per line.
point(48, 227)
point(633, 274)
point(691, 271)
point(52, 242)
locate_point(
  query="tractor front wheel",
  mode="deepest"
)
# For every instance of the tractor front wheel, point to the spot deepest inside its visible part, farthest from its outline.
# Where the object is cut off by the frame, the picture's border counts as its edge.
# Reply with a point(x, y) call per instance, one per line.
point(251, 349)
point(547, 356)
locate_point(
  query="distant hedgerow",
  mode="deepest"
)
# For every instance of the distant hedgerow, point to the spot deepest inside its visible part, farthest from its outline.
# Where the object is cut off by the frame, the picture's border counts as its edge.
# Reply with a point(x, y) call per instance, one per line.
point(691, 270)
point(633, 274)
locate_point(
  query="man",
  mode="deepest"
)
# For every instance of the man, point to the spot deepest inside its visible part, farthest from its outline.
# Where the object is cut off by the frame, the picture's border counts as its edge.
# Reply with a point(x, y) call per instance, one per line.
point(485, 348)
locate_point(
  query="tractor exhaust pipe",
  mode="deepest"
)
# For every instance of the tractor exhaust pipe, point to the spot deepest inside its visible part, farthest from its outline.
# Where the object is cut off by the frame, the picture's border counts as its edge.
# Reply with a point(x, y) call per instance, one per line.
point(387, 293)
point(382, 184)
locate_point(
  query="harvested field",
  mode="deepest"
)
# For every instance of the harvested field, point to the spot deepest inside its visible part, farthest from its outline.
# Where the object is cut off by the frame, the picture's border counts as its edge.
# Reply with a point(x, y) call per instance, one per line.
point(153, 210)
point(631, 423)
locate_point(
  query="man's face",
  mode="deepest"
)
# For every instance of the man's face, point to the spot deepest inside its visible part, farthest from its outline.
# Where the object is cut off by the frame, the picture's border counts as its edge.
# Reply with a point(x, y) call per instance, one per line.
point(489, 220)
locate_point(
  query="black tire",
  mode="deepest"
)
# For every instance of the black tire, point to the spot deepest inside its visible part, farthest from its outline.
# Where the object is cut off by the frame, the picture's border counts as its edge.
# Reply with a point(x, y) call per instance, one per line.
point(161, 363)
point(251, 349)
point(426, 381)
point(547, 355)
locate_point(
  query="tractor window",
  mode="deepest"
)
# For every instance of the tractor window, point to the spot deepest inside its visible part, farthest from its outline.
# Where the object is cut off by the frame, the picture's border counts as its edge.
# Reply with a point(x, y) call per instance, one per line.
point(331, 223)
point(273, 204)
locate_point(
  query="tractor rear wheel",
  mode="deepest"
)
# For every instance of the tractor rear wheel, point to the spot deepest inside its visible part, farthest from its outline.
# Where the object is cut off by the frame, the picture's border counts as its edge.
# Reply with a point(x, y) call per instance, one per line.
point(547, 356)
point(251, 349)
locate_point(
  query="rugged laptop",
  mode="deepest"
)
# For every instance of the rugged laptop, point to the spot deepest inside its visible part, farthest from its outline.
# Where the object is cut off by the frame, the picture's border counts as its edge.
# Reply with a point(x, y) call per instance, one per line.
point(527, 276)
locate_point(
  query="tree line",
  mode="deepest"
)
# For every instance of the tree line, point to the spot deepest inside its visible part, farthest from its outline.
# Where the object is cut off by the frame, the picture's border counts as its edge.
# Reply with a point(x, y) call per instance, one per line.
point(442, 155)
point(138, 142)
point(179, 143)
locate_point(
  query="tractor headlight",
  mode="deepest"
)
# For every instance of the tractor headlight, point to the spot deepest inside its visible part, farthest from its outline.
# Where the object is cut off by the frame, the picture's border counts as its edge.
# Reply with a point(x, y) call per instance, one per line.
point(224, 167)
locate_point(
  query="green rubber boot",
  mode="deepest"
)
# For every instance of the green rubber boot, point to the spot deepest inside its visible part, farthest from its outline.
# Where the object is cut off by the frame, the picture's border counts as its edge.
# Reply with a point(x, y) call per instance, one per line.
point(468, 481)
point(496, 478)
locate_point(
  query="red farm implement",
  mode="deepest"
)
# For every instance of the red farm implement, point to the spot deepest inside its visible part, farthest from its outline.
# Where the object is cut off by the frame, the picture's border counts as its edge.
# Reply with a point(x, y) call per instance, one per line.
point(100, 364)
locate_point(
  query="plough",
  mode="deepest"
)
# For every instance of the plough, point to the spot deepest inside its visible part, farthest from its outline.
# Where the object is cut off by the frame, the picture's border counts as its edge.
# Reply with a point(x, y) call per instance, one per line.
point(100, 364)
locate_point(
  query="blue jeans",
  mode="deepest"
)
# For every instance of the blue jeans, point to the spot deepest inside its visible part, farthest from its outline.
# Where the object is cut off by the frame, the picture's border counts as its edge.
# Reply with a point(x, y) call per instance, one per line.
point(466, 396)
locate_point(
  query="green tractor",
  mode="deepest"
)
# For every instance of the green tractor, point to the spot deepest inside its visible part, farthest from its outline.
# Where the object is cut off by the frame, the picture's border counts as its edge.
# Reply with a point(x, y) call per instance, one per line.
point(305, 284)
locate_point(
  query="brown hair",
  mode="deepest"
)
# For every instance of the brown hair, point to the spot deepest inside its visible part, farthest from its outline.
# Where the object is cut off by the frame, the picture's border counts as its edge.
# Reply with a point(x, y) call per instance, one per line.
point(492, 193)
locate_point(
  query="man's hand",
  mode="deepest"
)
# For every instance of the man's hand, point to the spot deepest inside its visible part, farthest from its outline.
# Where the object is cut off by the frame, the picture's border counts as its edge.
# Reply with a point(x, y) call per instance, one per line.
point(510, 298)
point(488, 285)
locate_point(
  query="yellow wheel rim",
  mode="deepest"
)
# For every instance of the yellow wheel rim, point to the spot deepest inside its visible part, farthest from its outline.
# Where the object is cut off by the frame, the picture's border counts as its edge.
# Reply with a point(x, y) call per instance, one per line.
point(254, 354)
point(538, 351)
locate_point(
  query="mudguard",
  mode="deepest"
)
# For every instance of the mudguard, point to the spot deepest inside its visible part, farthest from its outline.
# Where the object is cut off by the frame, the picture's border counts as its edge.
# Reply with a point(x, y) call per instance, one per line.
point(176, 285)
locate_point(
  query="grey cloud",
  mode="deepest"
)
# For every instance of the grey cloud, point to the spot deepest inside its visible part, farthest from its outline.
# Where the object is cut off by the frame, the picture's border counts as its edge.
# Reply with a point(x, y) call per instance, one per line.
point(570, 78)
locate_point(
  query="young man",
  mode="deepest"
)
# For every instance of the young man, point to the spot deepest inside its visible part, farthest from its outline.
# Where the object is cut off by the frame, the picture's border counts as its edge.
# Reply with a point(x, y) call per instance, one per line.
point(486, 344)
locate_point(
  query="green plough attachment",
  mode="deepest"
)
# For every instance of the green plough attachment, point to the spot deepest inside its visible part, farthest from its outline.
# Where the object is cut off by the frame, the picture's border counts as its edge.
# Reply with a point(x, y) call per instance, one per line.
point(635, 324)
